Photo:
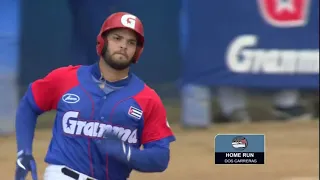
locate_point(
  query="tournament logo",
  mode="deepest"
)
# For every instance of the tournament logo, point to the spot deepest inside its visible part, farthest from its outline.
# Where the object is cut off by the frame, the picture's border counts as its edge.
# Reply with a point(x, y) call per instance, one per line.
point(239, 143)
point(285, 13)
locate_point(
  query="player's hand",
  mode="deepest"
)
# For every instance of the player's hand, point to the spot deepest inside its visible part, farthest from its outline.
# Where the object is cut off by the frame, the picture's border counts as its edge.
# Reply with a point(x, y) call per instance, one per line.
point(113, 146)
point(25, 163)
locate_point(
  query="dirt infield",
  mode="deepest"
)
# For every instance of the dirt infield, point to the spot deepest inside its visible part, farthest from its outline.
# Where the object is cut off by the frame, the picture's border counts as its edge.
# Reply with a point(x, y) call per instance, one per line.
point(292, 154)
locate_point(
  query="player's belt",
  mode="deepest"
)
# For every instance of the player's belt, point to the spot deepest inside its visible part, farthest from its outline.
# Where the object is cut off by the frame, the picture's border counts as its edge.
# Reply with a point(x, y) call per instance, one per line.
point(72, 174)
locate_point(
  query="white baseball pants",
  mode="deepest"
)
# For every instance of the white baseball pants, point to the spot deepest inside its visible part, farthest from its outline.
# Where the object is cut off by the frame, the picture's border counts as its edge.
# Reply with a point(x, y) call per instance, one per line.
point(57, 172)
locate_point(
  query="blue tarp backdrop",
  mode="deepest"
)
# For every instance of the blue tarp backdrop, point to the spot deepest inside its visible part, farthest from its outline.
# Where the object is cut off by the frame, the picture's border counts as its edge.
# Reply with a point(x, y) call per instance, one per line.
point(63, 32)
point(260, 43)
point(9, 36)
point(9, 59)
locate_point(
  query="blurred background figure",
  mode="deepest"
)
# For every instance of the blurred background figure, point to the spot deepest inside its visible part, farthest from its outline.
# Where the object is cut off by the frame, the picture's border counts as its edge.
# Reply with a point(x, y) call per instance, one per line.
point(9, 54)
point(286, 105)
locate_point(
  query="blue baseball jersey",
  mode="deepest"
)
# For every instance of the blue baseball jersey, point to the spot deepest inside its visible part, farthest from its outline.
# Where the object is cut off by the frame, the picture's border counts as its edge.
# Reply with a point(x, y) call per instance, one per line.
point(85, 108)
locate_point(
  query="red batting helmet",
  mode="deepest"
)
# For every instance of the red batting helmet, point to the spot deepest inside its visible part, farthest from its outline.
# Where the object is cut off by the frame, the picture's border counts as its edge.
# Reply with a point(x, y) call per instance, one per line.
point(122, 20)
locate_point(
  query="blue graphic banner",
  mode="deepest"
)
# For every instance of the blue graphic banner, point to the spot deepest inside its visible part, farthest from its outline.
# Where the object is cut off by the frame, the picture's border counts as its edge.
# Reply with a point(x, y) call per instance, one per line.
point(239, 149)
point(225, 143)
point(260, 44)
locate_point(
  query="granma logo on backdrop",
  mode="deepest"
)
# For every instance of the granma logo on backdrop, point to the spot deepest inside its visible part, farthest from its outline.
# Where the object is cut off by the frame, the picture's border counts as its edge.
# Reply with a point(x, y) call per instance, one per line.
point(245, 56)
point(285, 13)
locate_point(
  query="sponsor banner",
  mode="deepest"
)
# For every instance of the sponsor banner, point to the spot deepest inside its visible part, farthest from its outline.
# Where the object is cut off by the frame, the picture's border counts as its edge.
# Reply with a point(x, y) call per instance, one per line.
point(261, 43)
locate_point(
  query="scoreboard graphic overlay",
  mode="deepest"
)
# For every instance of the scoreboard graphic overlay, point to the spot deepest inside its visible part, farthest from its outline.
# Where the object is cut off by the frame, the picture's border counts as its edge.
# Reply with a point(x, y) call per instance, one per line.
point(239, 149)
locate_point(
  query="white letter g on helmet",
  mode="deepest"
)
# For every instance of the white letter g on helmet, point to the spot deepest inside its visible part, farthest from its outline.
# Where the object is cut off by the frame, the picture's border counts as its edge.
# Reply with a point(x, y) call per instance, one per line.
point(128, 20)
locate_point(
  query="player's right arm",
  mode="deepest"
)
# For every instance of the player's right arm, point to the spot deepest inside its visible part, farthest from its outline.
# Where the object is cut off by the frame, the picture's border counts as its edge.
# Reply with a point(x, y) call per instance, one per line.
point(39, 97)
point(42, 95)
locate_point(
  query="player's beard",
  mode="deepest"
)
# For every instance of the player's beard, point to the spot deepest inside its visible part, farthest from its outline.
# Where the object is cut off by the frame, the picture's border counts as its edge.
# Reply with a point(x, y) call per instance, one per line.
point(114, 64)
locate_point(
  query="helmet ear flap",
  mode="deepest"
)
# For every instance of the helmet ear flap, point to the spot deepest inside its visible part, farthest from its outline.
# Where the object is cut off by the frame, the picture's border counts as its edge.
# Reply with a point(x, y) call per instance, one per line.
point(101, 45)
point(137, 54)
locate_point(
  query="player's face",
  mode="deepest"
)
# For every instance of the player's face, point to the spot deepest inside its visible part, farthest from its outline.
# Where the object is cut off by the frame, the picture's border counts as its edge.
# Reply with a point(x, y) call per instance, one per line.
point(122, 44)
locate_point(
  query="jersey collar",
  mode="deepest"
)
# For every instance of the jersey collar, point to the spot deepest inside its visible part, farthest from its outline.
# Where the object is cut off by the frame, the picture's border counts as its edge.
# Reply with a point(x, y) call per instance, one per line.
point(95, 70)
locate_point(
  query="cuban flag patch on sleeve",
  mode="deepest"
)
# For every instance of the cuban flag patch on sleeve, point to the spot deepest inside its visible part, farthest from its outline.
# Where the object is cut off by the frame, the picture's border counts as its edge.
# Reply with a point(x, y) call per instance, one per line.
point(135, 112)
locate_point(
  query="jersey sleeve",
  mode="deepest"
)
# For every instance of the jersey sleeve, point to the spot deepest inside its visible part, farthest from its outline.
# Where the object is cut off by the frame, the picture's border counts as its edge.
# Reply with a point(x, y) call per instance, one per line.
point(45, 93)
point(156, 126)
point(42, 92)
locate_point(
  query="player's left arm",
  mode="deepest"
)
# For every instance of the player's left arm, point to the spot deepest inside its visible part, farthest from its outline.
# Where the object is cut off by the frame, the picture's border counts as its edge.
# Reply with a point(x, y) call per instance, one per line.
point(156, 138)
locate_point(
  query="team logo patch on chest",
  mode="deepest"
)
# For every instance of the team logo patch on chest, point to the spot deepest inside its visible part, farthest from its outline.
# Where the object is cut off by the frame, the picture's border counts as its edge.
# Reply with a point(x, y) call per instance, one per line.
point(135, 112)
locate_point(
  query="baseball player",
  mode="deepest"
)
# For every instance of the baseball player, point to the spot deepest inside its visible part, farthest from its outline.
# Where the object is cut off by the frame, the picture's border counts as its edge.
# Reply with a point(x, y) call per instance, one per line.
point(104, 113)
